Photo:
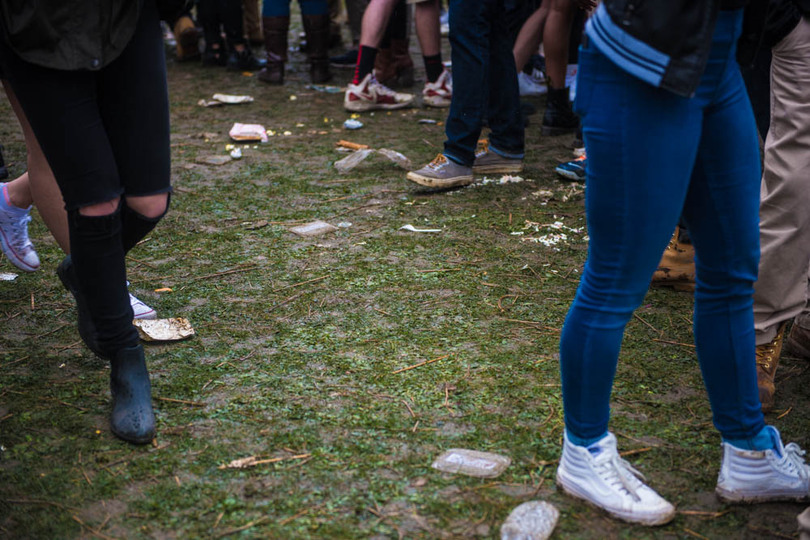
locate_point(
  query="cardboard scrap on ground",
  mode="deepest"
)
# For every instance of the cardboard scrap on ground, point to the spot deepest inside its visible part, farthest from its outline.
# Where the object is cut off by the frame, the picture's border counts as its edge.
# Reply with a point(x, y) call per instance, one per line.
point(175, 329)
point(7, 277)
point(224, 99)
point(314, 228)
point(472, 463)
point(248, 132)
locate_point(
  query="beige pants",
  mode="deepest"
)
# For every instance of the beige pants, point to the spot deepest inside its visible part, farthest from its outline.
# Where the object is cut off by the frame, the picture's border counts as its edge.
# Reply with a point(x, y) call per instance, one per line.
point(804, 525)
point(781, 293)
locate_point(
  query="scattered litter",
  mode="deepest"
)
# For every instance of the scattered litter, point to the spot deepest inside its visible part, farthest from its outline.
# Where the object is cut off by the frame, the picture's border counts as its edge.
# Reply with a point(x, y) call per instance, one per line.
point(252, 461)
point(397, 158)
point(532, 520)
point(248, 132)
point(351, 123)
point(293, 97)
point(287, 133)
point(551, 239)
point(7, 277)
point(315, 228)
point(351, 145)
point(164, 289)
point(236, 153)
point(224, 99)
point(411, 228)
point(344, 224)
point(262, 223)
point(214, 160)
point(362, 152)
point(427, 121)
point(471, 463)
point(174, 329)
point(326, 88)
point(353, 160)
point(505, 179)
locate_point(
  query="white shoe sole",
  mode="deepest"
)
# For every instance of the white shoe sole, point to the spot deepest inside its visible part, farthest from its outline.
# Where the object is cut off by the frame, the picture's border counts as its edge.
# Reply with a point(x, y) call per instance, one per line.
point(363, 106)
point(498, 169)
point(651, 520)
point(11, 255)
point(777, 496)
point(427, 181)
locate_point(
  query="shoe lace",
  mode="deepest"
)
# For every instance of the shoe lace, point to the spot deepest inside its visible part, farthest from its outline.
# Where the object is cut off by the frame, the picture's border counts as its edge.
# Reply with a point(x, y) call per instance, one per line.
point(483, 148)
point(795, 460)
point(19, 233)
point(618, 472)
point(438, 162)
point(379, 88)
point(767, 352)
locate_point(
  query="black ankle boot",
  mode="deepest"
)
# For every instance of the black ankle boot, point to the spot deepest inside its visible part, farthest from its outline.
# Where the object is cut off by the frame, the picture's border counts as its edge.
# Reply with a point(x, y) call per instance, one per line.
point(132, 417)
point(559, 118)
point(87, 331)
point(243, 61)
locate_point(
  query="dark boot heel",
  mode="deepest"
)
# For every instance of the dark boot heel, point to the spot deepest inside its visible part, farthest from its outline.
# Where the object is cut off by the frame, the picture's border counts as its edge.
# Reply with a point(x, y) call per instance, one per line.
point(132, 419)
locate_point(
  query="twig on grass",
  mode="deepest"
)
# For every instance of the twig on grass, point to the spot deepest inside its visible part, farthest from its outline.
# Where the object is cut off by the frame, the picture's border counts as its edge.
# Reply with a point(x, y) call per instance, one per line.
point(674, 343)
point(785, 413)
point(90, 529)
point(244, 527)
point(313, 280)
point(651, 327)
point(420, 364)
point(183, 401)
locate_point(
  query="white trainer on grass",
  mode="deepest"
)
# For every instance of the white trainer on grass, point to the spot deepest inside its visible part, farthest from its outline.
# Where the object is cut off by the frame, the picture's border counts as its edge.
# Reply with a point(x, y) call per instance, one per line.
point(599, 476)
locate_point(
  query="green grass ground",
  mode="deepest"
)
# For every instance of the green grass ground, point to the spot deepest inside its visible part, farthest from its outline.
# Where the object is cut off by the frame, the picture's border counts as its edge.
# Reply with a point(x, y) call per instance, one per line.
point(300, 340)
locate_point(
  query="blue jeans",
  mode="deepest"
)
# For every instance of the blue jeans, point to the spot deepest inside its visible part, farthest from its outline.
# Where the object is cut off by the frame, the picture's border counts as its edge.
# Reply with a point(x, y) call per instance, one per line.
point(650, 155)
point(484, 81)
point(281, 8)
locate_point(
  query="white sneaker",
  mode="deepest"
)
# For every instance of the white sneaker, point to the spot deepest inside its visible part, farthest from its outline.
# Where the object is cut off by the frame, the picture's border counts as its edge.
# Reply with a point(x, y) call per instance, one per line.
point(529, 86)
point(14, 239)
point(764, 475)
point(370, 95)
point(440, 93)
point(601, 477)
point(139, 309)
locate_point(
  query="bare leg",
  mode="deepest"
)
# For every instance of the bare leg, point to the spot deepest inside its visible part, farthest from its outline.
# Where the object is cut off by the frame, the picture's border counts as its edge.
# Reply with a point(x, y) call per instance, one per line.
point(556, 33)
point(530, 35)
point(19, 192)
point(426, 15)
point(374, 21)
point(42, 184)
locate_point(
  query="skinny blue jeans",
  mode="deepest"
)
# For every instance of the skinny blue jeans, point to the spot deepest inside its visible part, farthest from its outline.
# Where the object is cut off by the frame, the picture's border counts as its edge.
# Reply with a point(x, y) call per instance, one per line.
point(281, 8)
point(652, 154)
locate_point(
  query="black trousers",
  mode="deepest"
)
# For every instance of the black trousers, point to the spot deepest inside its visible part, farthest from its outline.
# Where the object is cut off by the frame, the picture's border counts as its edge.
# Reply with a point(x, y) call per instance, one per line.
point(105, 134)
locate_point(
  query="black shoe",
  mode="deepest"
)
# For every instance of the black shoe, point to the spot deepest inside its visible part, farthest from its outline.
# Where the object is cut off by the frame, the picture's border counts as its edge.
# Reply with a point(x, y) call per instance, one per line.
point(132, 419)
point(244, 61)
point(87, 330)
point(559, 118)
point(214, 57)
point(345, 60)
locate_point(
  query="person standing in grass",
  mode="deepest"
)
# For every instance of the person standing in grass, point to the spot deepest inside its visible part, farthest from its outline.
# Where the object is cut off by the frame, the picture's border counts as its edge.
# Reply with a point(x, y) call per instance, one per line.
point(94, 91)
point(668, 128)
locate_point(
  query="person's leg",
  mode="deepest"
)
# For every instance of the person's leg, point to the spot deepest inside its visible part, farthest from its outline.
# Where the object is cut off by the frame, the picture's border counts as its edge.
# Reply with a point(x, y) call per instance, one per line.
point(470, 35)
point(251, 21)
point(507, 133)
point(209, 17)
point(633, 202)
point(530, 35)
point(240, 58)
point(375, 20)
point(42, 184)
point(558, 118)
point(315, 15)
point(276, 25)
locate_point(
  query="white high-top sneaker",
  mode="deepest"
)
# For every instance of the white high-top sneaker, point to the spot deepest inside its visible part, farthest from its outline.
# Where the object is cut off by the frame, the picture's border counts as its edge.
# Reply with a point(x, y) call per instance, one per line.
point(602, 478)
point(764, 475)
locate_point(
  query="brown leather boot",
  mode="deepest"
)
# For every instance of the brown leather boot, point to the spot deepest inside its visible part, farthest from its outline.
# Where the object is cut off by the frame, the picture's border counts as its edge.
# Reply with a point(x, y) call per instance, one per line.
point(188, 39)
point(767, 361)
point(275, 41)
point(677, 266)
point(797, 343)
point(403, 62)
point(317, 31)
point(384, 69)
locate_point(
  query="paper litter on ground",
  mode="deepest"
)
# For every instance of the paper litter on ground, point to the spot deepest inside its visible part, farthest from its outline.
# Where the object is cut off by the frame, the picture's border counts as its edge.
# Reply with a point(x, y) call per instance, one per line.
point(174, 329)
point(411, 228)
point(224, 99)
point(7, 277)
point(248, 132)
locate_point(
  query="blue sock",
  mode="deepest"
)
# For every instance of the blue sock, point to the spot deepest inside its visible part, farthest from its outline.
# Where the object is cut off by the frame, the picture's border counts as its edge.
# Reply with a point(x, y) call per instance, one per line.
point(766, 439)
point(586, 442)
